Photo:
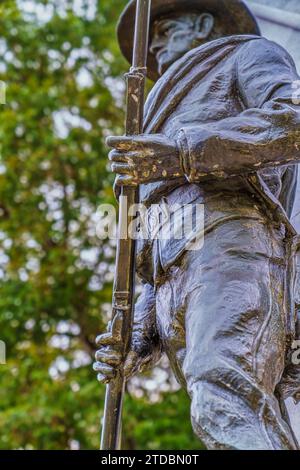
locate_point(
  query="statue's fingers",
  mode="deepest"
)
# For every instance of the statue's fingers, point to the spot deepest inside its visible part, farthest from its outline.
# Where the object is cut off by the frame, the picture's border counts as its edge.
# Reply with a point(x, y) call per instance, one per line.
point(135, 158)
point(113, 336)
point(105, 340)
point(151, 140)
point(117, 156)
point(121, 169)
point(125, 143)
point(112, 358)
point(130, 364)
point(104, 369)
point(102, 379)
point(126, 180)
point(114, 141)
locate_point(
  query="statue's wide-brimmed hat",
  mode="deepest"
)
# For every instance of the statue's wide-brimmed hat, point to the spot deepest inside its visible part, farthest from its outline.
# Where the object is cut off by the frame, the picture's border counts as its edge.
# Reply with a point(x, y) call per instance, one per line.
point(231, 16)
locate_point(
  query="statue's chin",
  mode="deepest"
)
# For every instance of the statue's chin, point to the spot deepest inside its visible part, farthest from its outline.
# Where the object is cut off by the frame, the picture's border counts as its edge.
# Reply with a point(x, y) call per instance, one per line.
point(163, 66)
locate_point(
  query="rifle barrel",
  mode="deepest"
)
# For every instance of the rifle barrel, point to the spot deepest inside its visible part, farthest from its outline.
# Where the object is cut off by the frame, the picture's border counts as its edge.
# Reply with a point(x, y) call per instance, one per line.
point(123, 296)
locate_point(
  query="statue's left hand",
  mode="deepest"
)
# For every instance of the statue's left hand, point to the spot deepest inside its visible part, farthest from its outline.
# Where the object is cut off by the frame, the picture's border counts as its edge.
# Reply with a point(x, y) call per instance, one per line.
point(144, 159)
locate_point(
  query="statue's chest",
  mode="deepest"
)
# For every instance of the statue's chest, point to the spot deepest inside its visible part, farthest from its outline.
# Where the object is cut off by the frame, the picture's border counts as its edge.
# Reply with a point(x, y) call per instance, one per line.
point(212, 99)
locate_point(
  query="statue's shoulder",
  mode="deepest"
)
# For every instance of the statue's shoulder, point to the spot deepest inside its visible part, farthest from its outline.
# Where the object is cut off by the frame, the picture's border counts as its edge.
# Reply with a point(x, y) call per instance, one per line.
point(262, 49)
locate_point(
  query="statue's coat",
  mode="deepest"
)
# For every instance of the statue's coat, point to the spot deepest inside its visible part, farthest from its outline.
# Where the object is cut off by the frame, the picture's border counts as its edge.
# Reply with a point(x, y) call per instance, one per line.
point(225, 315)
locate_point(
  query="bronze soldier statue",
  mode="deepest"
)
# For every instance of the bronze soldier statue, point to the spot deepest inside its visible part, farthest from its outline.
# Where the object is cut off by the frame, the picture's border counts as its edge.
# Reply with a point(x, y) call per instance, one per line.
point(221, 129)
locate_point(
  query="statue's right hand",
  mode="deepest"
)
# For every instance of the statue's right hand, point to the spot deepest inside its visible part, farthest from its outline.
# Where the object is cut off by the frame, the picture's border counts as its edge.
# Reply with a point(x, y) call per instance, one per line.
point(109, 357)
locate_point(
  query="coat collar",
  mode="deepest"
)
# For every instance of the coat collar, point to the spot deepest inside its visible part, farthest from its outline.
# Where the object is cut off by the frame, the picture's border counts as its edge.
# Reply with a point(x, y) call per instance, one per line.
point(183, 74)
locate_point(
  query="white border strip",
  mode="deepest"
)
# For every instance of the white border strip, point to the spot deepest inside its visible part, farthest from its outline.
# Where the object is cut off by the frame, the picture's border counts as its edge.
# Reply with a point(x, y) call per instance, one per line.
point(275, 15)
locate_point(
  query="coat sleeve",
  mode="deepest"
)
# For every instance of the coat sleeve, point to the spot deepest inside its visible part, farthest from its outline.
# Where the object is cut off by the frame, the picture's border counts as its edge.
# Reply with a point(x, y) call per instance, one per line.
point(266, 133)
point(145, 338)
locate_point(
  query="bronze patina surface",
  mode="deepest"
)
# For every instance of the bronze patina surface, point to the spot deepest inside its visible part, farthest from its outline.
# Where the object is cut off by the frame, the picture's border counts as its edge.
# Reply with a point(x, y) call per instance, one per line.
point(222, 129)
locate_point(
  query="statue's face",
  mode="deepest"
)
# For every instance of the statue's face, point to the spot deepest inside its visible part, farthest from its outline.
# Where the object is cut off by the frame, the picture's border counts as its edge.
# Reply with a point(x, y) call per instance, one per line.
point(174, 36)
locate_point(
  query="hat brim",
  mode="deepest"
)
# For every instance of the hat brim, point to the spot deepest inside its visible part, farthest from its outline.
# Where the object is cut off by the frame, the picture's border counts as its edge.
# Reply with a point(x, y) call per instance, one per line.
point(232, 16)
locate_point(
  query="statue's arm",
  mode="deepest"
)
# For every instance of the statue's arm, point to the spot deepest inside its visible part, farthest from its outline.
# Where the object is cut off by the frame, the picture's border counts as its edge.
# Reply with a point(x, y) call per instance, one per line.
point(266, 133)
point(145, 349)
point(145, 344)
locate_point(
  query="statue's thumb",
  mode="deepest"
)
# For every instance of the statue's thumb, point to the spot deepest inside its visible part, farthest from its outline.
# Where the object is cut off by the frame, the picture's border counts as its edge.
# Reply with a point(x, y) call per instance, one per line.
point(131, 364)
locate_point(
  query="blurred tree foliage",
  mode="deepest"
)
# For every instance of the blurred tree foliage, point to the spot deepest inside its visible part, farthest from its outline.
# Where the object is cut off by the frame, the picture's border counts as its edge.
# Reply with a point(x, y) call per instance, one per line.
point(62, 67)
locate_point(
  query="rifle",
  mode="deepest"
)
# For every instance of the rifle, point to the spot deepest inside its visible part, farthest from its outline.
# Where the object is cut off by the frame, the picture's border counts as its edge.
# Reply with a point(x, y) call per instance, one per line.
point(123, 294)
